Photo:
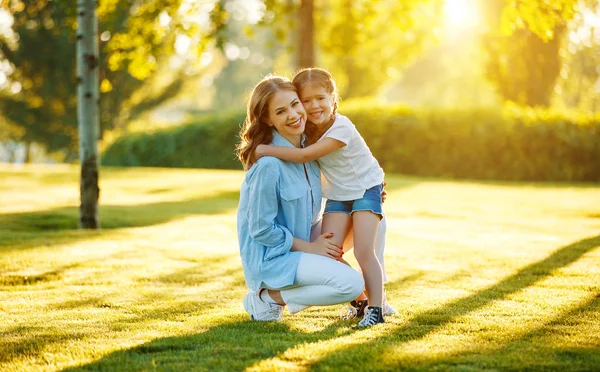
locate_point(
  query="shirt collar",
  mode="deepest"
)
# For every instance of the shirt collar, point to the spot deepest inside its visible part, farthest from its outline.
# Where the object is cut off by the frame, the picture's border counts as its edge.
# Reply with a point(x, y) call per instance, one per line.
point(279, 140)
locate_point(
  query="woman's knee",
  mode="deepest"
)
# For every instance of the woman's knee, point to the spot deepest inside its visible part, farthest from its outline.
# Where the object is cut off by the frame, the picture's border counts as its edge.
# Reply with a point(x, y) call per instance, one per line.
point(353, 285)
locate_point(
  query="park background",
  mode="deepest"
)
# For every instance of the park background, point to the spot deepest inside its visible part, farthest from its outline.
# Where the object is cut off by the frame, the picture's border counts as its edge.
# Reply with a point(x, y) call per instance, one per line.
point(483, 113)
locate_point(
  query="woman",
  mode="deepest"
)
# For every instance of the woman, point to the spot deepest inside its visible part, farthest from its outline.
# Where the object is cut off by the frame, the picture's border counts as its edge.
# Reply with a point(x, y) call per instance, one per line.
point(279, 201)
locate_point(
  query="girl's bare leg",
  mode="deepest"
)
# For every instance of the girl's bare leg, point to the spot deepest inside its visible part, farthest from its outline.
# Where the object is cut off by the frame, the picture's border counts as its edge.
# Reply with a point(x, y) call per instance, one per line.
point(337, 223)
point(365, 225)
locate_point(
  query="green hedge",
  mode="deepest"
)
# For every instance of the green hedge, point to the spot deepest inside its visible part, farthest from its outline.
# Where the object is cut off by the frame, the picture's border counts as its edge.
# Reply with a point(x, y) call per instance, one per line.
point(206, 142)
point(509, 144)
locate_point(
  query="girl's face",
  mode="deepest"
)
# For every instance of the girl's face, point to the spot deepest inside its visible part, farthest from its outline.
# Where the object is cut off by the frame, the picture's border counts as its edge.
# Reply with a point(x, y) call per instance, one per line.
point(318, 103)
point(287, 115)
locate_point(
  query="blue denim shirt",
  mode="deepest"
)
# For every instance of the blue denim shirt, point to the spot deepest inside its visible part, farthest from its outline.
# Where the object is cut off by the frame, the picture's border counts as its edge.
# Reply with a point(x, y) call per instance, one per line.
point(277, 203)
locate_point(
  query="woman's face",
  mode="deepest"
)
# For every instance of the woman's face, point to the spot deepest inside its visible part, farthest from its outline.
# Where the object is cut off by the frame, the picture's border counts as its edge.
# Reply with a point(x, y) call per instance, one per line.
point(318, 103)
point(287, 115)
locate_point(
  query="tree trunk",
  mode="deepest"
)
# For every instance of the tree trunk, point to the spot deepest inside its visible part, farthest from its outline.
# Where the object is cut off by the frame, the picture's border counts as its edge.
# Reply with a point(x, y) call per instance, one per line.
point(27, 154)
point(87, 112)
point(306, 38)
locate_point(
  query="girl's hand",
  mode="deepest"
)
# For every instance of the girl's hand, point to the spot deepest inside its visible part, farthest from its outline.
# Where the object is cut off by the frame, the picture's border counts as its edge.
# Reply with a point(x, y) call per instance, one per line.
point(383, 193)
point(324, 247)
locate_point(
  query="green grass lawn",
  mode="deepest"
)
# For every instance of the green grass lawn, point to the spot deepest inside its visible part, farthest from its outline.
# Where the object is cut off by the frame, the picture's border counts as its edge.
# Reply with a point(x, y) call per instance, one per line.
point(486, 276)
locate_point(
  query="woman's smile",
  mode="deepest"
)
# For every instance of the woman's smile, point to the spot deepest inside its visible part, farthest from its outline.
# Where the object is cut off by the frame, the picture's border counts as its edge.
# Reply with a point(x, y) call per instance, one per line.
point(296, 124)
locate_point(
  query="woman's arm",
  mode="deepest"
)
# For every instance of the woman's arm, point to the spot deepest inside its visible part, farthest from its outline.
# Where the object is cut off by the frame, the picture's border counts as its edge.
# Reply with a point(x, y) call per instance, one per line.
point(263, 200)
point(262, 210)
point(310, 153)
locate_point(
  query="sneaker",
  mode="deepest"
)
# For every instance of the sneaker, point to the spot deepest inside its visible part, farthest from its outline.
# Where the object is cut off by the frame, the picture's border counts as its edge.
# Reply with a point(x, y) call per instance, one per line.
point(355, 310)
point(373, 316)
point(388, 309)
point(261, 310)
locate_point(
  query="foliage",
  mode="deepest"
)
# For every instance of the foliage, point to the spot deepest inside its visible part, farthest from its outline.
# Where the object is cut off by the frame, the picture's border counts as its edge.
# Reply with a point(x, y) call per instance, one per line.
point(138, 38)
point(251, 62)
point(207, 142)
point(363, 43)
point(514, 144)
point(46, 104)
point(448, 75)
point(541, 17)
point(579, 82)
point(524, 67)
point(486, 276)
point(523, 47)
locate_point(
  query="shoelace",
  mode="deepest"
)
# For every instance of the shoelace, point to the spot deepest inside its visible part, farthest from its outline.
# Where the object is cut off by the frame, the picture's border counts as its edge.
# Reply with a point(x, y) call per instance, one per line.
point(370, 318)
point(350, 313)
point(274, 310)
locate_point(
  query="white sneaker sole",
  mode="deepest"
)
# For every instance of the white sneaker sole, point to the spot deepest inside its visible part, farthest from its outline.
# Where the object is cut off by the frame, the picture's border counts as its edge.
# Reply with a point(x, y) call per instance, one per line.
point(248, 307)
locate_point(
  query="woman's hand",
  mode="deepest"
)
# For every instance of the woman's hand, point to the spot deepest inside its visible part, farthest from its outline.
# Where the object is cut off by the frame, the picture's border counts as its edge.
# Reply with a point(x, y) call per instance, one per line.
point(383, 193)
point(324, 247)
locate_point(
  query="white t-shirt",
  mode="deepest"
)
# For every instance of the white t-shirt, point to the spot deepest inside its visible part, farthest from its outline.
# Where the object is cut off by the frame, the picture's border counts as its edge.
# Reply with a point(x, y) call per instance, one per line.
point(350, 170)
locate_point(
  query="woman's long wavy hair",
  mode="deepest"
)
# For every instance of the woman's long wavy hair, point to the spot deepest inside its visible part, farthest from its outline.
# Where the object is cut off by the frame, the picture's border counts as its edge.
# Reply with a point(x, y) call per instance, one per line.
point(255, 130)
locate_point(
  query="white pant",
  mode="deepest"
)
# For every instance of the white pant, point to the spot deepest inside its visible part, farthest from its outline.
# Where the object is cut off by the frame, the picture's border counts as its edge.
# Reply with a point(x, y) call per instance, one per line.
point(321, 281)
point(379, 241)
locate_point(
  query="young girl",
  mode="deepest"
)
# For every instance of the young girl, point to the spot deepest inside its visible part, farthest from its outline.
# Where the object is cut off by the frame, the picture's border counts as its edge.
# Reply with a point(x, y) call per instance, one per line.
point(353, 179)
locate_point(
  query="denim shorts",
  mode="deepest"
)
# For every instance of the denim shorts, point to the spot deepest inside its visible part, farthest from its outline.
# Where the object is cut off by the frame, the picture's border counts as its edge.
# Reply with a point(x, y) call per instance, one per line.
point(371, 201)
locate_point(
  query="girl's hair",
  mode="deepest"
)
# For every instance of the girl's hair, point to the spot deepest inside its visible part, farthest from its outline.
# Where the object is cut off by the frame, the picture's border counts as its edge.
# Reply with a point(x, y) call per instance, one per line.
point(255, 130)
point(319, 77)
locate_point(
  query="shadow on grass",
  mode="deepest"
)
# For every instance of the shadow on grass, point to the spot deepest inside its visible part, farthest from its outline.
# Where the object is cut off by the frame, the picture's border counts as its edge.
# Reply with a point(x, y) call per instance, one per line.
point(28, 346)
point(121, 312)
point(392, 286)
point(238, 344)
point(510, 355)
point(227, 269)
point(232, 346)
point(431, 321)
point(31, 278)
point(59, 225)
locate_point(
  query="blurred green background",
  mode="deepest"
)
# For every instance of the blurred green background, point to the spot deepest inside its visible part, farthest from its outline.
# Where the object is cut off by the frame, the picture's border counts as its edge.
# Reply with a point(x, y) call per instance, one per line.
point(485, 89)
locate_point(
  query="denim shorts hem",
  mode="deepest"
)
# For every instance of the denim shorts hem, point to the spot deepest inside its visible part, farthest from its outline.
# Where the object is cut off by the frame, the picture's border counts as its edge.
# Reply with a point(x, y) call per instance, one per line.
point(371, 201)
point(380, 214)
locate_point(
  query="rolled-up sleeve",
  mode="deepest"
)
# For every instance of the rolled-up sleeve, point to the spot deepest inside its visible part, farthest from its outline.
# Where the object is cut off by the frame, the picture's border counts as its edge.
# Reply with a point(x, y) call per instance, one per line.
point(262, 211)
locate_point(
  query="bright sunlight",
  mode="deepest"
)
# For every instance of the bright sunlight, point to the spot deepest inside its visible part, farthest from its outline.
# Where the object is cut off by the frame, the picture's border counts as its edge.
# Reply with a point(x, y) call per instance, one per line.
point(461, 13)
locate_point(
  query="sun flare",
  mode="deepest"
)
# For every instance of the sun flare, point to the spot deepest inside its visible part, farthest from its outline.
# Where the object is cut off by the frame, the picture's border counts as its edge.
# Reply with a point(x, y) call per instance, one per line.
point(461, 12)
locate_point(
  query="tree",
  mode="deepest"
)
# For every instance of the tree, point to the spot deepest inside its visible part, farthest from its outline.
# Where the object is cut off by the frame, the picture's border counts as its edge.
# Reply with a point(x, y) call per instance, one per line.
point(87, 109)
point(579, 82)
point(138, 38)
point(523, 67)
point(47, 97)
point(305, 55)
point(523, 47)
point(363, 43)
point(41, 98)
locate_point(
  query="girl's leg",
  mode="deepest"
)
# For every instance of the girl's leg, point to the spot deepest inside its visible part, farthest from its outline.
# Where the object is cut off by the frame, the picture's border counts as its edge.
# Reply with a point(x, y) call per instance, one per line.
point(339, 224)
point(321, 281)
point(365, 225)
point(380, 245)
